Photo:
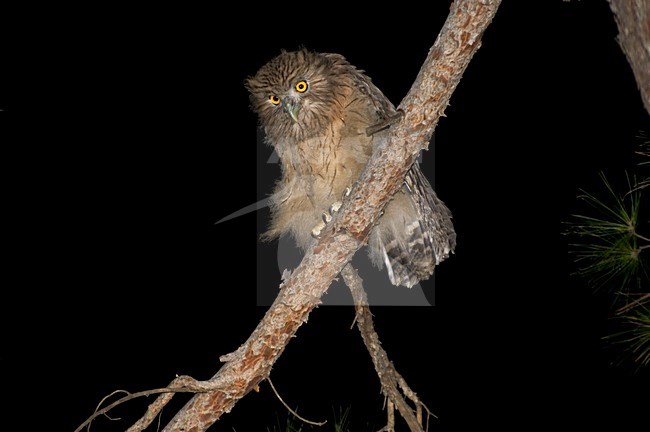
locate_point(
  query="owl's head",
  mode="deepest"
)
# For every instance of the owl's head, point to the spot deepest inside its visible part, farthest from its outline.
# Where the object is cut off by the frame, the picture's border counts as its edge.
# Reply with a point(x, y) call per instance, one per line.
point(296, 94)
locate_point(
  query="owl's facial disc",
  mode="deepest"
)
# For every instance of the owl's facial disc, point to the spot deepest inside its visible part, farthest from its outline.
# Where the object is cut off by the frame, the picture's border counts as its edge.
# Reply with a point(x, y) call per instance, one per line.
point(292, 108)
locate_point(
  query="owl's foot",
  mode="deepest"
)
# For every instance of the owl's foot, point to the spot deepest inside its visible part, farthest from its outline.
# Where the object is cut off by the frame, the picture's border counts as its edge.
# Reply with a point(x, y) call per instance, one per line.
point(327, 218)
point(317, 230)
point(328, 215)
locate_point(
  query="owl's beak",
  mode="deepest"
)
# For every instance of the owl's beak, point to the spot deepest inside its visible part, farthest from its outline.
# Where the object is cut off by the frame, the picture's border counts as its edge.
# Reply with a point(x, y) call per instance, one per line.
point(292, 109)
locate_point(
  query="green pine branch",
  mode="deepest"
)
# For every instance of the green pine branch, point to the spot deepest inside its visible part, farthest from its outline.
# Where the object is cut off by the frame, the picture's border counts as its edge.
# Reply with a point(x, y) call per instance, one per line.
point(636, 335)
point(611, 252)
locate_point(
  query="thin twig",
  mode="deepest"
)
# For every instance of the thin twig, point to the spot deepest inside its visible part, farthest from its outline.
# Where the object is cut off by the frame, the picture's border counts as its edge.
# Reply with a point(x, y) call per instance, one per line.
point(295, 414)
point(182, 384)
point(101, 402)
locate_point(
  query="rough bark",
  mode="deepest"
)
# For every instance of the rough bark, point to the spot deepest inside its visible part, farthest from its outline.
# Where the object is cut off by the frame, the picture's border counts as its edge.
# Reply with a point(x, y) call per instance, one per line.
point(391, 381)
point(633, 21)
point(302, 290)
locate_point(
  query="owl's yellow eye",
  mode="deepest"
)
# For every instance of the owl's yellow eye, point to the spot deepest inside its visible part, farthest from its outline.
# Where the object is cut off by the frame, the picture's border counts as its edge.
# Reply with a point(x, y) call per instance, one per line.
point(274, 100)
point(302, 86)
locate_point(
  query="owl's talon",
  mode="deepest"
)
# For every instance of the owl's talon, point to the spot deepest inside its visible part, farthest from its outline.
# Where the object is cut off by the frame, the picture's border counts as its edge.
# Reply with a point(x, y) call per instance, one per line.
point(347, 192)
point(318, 230)
point(326, 218)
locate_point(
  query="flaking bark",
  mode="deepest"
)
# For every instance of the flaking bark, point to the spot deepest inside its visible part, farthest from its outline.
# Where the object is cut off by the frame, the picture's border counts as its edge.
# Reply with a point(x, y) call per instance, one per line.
point(633, 21)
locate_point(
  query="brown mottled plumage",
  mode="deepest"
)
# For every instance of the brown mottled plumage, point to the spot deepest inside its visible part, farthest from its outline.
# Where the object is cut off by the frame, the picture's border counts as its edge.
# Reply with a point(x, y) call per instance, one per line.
point(315, 109)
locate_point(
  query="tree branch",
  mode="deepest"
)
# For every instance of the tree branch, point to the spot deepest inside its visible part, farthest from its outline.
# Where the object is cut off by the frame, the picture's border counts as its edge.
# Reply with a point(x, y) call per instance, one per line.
point(391, 380)
point(301, 292)
point(633, 21)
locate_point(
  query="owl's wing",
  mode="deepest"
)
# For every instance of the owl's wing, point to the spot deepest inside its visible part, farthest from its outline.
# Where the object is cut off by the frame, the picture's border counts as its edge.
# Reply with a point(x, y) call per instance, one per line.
point(416, 232)
point(425, 238)
point(434, 216)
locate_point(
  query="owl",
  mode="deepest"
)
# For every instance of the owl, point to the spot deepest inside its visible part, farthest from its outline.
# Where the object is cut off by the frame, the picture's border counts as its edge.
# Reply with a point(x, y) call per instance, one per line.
point(320, 114)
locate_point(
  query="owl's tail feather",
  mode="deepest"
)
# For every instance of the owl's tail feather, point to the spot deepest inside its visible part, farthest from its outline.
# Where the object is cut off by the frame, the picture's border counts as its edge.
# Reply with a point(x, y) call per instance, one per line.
point(421, 237)
point(411, 261)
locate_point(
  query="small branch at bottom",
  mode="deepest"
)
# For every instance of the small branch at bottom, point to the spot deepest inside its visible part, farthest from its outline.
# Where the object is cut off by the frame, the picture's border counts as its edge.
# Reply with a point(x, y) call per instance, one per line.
point(390, 422)
point(391, 381)
point(293, 413)
point(182, 384)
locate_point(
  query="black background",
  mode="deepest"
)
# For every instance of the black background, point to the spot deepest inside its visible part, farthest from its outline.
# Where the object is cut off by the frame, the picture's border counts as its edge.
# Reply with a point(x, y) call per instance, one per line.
point(127, 134)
